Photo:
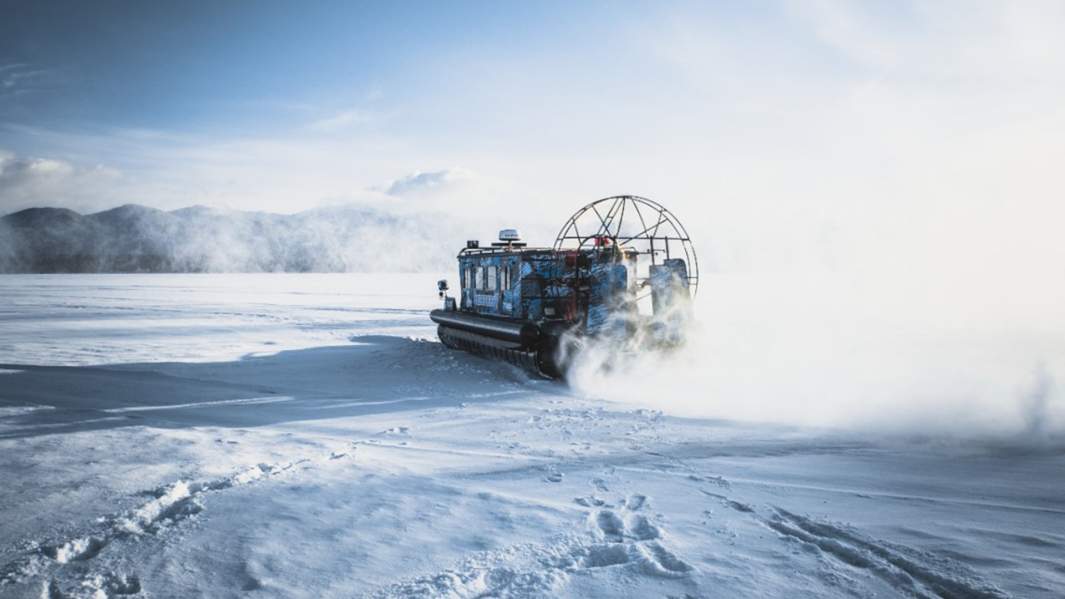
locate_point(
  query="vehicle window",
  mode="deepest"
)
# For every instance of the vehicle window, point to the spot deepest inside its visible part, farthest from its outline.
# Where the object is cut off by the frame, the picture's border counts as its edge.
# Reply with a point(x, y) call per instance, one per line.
point(490, 275)
point(514, 275)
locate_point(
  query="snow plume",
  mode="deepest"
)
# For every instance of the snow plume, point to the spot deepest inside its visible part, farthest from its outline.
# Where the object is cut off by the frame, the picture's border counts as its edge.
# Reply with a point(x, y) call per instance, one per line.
point(828, 350)
point(902, 266)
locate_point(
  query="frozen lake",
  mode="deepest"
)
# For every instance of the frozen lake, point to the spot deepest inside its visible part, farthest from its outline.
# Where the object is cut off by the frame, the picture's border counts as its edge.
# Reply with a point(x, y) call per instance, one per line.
point(306, 436)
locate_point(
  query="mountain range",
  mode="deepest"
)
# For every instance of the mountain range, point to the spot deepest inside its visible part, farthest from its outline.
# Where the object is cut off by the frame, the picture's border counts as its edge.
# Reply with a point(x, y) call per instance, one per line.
point(135, 238)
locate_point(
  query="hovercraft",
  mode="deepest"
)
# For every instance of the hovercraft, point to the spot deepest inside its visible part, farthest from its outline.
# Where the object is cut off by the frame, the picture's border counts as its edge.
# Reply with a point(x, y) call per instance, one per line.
point(622, 268)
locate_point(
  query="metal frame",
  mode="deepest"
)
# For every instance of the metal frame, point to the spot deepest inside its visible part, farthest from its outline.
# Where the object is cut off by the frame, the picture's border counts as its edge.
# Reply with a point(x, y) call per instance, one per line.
point(607, 216)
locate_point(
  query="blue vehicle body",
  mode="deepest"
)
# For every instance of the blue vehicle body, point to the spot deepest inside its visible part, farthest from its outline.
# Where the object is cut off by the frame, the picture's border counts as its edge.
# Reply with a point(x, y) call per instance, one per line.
point(541, 284)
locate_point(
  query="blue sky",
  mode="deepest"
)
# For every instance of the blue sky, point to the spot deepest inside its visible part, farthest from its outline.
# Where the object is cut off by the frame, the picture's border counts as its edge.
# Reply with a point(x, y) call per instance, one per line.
point(814, 124)
point(266, 67)
point(253, 66)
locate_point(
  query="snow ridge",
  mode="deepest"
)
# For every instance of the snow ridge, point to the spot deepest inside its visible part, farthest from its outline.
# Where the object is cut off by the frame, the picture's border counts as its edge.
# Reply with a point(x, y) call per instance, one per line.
point(168, 506)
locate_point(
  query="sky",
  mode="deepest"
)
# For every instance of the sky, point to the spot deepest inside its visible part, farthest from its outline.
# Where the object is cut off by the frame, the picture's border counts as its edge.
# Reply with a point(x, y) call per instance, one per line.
point(782, 133)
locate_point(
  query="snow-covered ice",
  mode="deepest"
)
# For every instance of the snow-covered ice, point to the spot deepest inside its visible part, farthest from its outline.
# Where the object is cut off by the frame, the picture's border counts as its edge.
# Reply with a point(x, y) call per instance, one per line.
point(306, 436)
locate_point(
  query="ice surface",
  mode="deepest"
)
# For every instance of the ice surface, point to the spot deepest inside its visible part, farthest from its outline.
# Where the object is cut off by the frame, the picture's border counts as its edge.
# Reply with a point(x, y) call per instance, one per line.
point(305, 436)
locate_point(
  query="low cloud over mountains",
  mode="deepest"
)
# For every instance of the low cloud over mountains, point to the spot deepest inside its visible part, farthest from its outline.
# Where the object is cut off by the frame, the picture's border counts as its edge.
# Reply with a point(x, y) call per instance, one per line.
point(134, 238)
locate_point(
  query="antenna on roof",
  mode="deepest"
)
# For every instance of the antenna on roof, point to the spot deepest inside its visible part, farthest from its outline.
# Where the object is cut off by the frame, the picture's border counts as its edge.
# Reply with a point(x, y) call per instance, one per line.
point(509, 238)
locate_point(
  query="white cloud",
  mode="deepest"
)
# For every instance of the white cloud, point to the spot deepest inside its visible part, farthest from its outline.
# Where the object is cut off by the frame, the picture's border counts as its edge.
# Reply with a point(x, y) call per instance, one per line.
point(17, 79)
point(424, 182)
point(28, 181)
point(343, 120)
point(945, 44)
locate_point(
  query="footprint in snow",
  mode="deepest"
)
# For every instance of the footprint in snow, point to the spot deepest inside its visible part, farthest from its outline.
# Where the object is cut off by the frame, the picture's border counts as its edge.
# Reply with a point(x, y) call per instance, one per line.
point(617, 528)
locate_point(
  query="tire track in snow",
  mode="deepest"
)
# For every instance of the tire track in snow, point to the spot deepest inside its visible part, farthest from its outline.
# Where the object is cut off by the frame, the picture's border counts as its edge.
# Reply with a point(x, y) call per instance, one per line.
point(739, 506)
point(908, 570)
point(905, 569)
point(169, 505)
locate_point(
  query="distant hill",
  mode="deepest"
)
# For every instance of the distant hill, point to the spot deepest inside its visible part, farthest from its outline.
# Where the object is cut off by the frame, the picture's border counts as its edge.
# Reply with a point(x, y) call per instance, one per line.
point(134, 238)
